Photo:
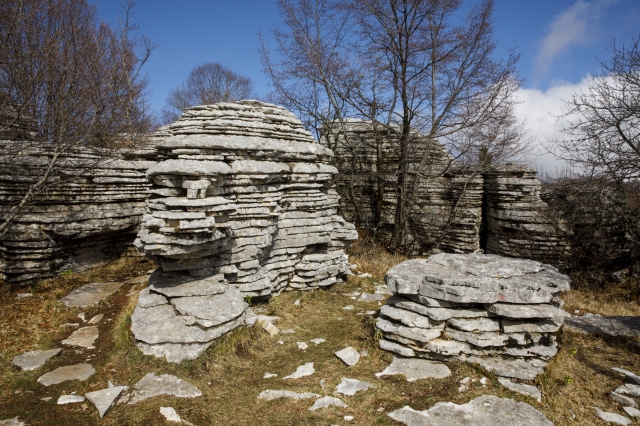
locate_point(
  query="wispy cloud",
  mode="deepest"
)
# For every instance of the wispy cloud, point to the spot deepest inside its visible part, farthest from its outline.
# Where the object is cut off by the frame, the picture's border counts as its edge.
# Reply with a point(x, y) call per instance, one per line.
point(572, 27)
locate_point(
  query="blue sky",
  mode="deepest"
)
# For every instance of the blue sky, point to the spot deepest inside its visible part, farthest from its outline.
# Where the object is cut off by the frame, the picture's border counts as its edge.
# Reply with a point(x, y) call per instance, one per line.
point(558, 40)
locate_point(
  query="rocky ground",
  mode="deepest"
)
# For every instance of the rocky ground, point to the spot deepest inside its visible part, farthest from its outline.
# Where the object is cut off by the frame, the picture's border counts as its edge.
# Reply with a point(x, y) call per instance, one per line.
point(318, 363)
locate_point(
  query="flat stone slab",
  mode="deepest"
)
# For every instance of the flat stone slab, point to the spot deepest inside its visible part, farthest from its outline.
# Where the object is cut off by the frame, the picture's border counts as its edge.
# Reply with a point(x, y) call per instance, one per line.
point(212, 310)
point(416, 369)
point(174, 352)
point(84, 337)
point(477, 278)
point(105, 399)
point(475, 324)
point(522, 388)
point(11, 422)
point(89, 294)
point(486, 410)
point(633, 412)
point(628, 375)
point(350, 387)
point(348, 355)
point(612, 417)
point(151, 386)
point(270, 395)
point(327, 401)
point(513, 368)
point(170, 414)
point(184, 285)
point(511, 310)
point(34, 359)
point(302, 371)
point(626, 326)
point(70, 372)
point(70, 399)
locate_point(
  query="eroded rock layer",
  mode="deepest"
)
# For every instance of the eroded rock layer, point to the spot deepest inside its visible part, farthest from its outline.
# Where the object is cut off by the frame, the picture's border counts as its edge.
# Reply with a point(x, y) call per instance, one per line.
point(499, 312)
point(89, 213)
point(243, 196)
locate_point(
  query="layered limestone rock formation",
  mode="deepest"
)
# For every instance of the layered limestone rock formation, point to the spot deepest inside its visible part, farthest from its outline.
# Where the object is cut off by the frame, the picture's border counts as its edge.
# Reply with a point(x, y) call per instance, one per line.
point(447, 212)
point(517, 222)
point(498, 312)
point(242, 198)
point(89, 213)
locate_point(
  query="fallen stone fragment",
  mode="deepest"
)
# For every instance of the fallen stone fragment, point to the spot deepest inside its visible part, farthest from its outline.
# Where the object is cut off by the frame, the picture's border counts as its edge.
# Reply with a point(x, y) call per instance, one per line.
point(90, 294)
point(24, 295)
point(84, 337)
point(70, 399)
point(612, 417)
point(349, 356)
point(82, 316)
point(151, 385)
point(522, 388)
point(348, 418)
point(105, 399)
point(626, 326)
point(302, 346)
point(628, 389)
point(368, 298)
point(327, 401)
point(46, 398)
point(624, 400)
point(511, 310)
point(628, 375)
point(96, 319)
point(267, 325)
point(170, 414)
point(287, 331)
point(69, 372)
point(11, 422)
point(633, 412)
point(462, 388)
point(270, 395)
point(34, 359)
point(302, 371)
point(348, 308)
point(317, 341)
point(269, 375)
point(514, 368)
point(350, 387)
point(415, 369)
point(486, 410)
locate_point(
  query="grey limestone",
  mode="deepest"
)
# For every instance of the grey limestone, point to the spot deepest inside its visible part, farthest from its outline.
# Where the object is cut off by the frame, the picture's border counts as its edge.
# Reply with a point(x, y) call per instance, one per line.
point(522, 388)
point(327, 401)
point(270, 395)
point(70, 372)
point(614, 418)
point(302, 371)
point(34, 359)
point(151, 386)
point(416, 369)
point(348, 355)
point(105, 399)
point(90, 294)
point(84, 337)
point(350, 387)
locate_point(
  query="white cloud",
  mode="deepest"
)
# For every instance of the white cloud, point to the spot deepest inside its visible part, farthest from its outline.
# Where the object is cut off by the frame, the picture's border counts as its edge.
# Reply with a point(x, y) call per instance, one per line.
point(572, 27)
point(540, 109)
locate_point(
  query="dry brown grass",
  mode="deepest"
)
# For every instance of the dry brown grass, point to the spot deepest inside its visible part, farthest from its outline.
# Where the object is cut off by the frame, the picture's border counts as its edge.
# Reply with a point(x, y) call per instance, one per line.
point(607, 300)
point(230, 374)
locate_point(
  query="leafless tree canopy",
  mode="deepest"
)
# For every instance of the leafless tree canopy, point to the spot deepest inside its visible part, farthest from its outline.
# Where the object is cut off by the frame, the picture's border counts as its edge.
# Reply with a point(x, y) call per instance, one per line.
point(603, 135)
point(408, 67)
point(76, 81)
point(208, 83)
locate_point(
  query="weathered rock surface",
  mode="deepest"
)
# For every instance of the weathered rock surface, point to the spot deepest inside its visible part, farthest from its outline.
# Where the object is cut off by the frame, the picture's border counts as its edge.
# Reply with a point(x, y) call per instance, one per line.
point(170, 414)
point(486, 410)
point(415, 369)
point(522, 388)
point(270, 395)
point(89, 214)
point(70, 399)
point(612, 417)
point(350, 387)
point(84, 337)
point(327, 401)
point(69, 372)
point(90, 294)
point(302, 371)
point(349, 356)
point(627, 326)
point(242, 204)
point(151, 386)
point(105, 399)
point(34, 359)
point(487, 309)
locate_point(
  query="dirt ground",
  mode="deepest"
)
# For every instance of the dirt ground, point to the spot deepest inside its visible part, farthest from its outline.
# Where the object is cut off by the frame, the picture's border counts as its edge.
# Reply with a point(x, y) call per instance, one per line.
point(230, 374)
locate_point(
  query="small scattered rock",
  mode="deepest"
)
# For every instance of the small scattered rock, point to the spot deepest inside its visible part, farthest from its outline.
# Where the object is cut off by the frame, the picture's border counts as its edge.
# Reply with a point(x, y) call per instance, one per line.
point(349, 356)
point(96, 319)
point(302, 346)
point(105, 399)
point(34, 359)
point(11, 422)
point(84, 337)
point(46, 398)
point(69, 324)
point(297, 302)
point(629, 375)
point(350, 387)
point(302, 371)
point(365, 275)
point(348, 418)
point(317, 341)
point(23, 295)
point(522, 388)
point(327, 401)
point(70, 399)
point(625, 400)
point(462, 388)
point(484, 381)
point(69, 372)
point(288, 331)
point(465, 380)
point(269, 375)
point(151, 385)
point(628, 389)
point(267, 325)
point(269, 395)
point(612, 417)
point(633, 412)
point(416, 369)
point(368, 298)
point(82, 316)
point(170, 414)
point(348, 308)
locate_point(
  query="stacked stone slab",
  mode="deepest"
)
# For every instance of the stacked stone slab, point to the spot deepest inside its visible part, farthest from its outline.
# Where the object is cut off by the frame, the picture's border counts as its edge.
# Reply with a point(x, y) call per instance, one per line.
point(516, 220)
point(89, 213)
point(499, 312)
point(243, 197)
point(447, 212)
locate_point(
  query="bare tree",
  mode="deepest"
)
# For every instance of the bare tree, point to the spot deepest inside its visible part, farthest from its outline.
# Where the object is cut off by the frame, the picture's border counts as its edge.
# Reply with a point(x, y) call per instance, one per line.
point(404, 66)
point(603, 134)
point(75, 81)
point(206, 84)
